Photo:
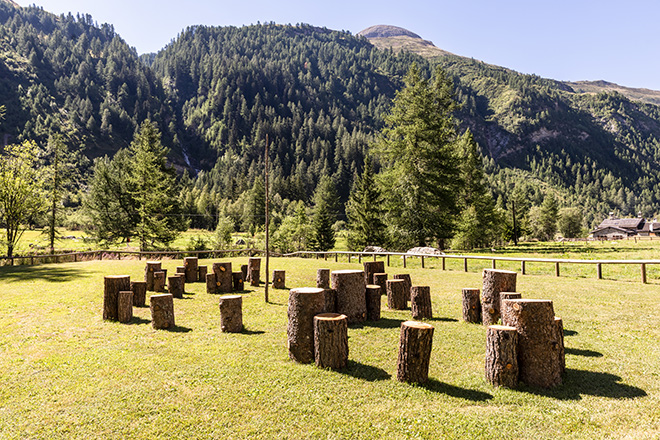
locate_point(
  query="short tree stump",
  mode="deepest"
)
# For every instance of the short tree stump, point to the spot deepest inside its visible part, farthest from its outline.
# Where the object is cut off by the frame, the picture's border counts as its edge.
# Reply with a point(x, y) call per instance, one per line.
point(415, 345)
point(502, 356)
point(304, 304)
point(420, 302)
point(331, 340)
point(231, 313)
point(471, 305)
point(162, 311)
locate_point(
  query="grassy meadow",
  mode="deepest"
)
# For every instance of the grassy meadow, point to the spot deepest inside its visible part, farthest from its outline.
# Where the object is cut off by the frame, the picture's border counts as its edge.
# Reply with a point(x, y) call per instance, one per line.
point(65, 373)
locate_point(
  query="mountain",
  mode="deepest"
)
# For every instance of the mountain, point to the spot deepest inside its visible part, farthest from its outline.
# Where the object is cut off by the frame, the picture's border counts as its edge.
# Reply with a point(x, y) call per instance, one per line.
point(399, 39)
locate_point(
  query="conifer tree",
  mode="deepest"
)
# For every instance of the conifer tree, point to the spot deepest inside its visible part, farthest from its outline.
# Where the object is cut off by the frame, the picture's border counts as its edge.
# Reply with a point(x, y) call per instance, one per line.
point(364, 212)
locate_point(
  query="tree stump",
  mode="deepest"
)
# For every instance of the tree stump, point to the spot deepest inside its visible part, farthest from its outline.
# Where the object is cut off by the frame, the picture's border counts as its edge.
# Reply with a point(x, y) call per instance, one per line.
point(396, 294)
point(381, 280)
point(559, 323)
point(508, 295)
point(201, 273)
point(176, 286)
point(350, 288)
point(502, 356)
point(210, 283)
point(420, 302)
point(231, 313)
point(159, 281)
point(254, 263)
point(125, 306)
point(112, 285)
point(162, 311)
point(373, 302)
point(415, 345)
point(371, 268)
point(238, 281)
point(304, 304)
point(323, 278)
point(181, 269)
point(244, 271)
point(223, 277)
point(405, 277)
point(471, 305)
point(139, 289)
point(149, 270)
point(191, 264)
point(329, 300)
point(539, 347)
point(494, 282)
point(331, 340)
point(254, 277)
point(279, 279)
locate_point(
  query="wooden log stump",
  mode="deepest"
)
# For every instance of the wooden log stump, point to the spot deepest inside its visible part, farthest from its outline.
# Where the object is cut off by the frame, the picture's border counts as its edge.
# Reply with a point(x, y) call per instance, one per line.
point(508, 295)
point(471, 305)
point(125, 306)
point(244, 271)
point(494, 282)
point(350, 289)
point(323, 278)
point(159, 281)
point(254, 277)
point(373, 302)
point(210, 283)
point(502, 356)
point(149, 270)
point(329, 300)
point(139, 289)
point(191, 265)
point(371, 268)
point(420, 302)
point(331, 340)
point(201, 273)
point(162, 311)
point(279, 279)
point(223, 277)
point(254, 263)
point(112, 285)
point(559, 323)
point(405, 277)
point(396, 294)
point(231, 313)
point(381, 280)
point(415, 345)
point(176, 286)
point(238, 281)
point(539, 350)
point(304, 304)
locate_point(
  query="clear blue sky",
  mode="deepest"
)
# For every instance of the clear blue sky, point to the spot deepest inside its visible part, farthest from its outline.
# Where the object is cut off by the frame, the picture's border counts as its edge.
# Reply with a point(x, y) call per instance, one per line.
point(617, 41)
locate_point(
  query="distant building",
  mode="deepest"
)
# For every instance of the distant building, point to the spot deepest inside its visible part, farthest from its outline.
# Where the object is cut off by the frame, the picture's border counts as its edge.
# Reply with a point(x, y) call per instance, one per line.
point(613, 228)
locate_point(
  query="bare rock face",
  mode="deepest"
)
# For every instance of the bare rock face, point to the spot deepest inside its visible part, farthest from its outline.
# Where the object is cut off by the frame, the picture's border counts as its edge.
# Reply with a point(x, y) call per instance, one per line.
point(386, 31)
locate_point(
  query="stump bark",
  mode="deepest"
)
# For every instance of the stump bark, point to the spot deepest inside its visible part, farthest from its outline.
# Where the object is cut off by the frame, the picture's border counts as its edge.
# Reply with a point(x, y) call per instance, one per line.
point(244, 271)
point(125, 306)
point(149, 270)
point(323, 278)
point(238, 281)
point(176, 286)
point(539, 347)
point(210, 283)
point(502, 356)
point(396, 294)
point(381, 280)
point(373, 302)
point(254, 263)
point(331, 340)
point(420, 302)
point(191, 265)
point(201, 273)
point(371, 268)
point(223, 277)
point(350, 289)
point(494, 282)
point(508, 295)
point(471, 305)
point(304, 304)
point(162, 311)
point(139, 289)
point(254, 277)
point(231, 313)
point(329, 300)
point(415, 345)
point(159, 281)
point(112, 285)
point(279, 279)
point(408, 284)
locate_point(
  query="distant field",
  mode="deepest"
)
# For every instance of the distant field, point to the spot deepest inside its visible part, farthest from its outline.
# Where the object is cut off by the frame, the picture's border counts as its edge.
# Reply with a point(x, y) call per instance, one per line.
point(65, 373)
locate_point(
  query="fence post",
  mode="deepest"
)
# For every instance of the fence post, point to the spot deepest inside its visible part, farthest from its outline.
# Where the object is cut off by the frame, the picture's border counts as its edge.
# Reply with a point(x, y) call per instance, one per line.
point(404, 261)
point(422, 261)
point(349, 257)
point(522, 267)
point(443, 263)
point(374, 257)
point(494, 263)
point(465, 268)
point(556, 268)
point(388, 260)
point(599, 271)
point(643, 273)
point(336, 256)
point(360, 258)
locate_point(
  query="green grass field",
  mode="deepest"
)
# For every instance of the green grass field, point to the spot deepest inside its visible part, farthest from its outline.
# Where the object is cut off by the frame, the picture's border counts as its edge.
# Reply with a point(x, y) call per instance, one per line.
point(65, 373)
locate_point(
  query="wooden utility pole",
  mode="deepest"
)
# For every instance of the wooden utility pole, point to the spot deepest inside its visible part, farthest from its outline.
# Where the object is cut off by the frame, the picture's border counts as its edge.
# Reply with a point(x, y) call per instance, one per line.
point(267, 222)
point(515, 225)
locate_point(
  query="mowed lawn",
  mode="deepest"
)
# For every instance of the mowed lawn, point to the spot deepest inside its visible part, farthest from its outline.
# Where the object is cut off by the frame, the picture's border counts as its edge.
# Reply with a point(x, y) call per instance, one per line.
point(65, 373)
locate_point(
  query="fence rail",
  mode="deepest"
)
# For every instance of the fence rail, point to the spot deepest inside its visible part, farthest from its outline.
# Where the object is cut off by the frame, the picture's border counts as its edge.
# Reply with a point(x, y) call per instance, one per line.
point(117, 255)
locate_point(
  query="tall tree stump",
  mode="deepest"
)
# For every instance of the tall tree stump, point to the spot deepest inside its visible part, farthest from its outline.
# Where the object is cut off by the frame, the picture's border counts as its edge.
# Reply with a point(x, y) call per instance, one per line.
point(471, 305)
point(244, 271)
point(329, 300)
point(112, 285)
point(201, 273)
point(238, 281)
point(210, 283)
point(396, 294)
point(381, 280)
point(176, 286)
point(231, 313)
point(508, 295)
point(139, 289)
point(191, 265)
point(373, 302)
point(502, 356)
point(254, 263)
point(323, 278)
point(415, 345)
point(559, 323)
point(350, 288)
point(162, 311)
point(125, 306)
point(304, 304)
point(420, 302)
point(223, 277)
point(159, 281)
point(494, 282)
point(279, 279)
point(408, 284)
point(371, 268)
point(539, 350)
point(331, 340)
point(149, 270)
point(254, 277)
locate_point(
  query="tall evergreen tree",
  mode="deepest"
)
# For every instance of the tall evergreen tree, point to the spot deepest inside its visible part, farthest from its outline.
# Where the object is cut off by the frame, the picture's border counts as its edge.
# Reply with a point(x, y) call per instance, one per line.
point(364, 211)
point(323, 238)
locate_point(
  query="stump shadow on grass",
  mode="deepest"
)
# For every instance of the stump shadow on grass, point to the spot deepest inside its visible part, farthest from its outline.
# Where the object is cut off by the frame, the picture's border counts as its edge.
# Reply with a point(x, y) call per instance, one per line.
point(136, 320)
point(179, 329)
point(365, 372)
point(247, 331)
point(581, 352)
point(15, 274)
point(451, 390)
point(381, 323)
point(570, 332)
point(592, 383)
point(441, 319)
